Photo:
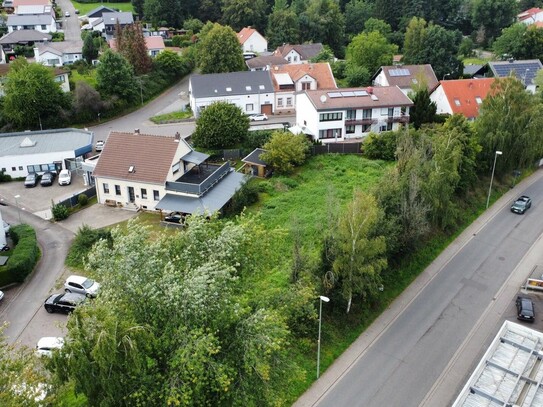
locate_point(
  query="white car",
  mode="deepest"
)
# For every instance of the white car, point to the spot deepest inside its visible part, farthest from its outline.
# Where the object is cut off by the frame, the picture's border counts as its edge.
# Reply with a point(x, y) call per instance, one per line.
point(81, 285)
point(48, 344)
point(258, 117)
point(67, 14)
point(65, 177)
point(99, 146)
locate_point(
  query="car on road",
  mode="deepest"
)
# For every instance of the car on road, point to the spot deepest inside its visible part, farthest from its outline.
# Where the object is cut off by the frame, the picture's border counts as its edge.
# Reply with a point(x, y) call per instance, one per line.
point(521, 205)
point(65, 302)
point(65, 177)
point(258, 117)
point(31, 180)
point(67, 14)
point(174, 217)
point(48, 344)
point(81, 285)
point(99, 146)
point(525, 309)
point(7, 227)
point(76, 11)
point(47, 178)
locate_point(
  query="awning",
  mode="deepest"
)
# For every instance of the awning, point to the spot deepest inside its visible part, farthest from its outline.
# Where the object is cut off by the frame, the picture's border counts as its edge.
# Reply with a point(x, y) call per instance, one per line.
point(283, 79)
point(211, 202)
point(195, 157)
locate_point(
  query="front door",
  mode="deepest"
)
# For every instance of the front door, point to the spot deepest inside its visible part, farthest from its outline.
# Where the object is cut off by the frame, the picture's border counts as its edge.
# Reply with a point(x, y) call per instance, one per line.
point(131, 196)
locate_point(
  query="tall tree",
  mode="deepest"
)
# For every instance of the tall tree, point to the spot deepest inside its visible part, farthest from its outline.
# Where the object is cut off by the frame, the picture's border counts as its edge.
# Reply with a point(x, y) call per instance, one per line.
point(131, 45)
point(283, 28)
point(370, 51)
point(414, 43)
point(323, 21)
point(219, 51)
point(139, 7)
point(285, 151)
point(357, 12)
point(493, 16)
point(90, 51)
point(115, 76)
point(424, 110)
point(242, 13)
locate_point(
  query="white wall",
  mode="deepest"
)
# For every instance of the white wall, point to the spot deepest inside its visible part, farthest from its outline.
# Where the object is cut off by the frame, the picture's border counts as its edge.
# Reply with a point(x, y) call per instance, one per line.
point(255, 43)
point(294, 57)
point(438, 96)
point(257, 100)
point(123, 198)
point(381, 79)
point(8, 162)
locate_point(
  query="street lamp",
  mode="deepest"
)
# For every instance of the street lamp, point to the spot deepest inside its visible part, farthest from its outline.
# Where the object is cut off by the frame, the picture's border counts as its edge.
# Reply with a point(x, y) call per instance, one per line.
point(492, 177)
point(321, 299)
point(17, 204)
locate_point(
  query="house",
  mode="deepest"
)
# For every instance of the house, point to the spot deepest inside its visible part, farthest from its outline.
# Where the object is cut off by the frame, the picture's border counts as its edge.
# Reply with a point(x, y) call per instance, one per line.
point(25, 38)
point(254, 165)
point(61, 76)
point(154, 44)
point(35, 9)
point(110, 22)
point(45, 150)
point(169, 176)
point(289, 79)
point(252, 41)
point(299, 53)
point(264, 62)
point(44, 23)
point(531, 16)
point(461, 96)
point(98, 12)
point(59, 53)
point(17, 3)
point(525, 71)
point(251, 91)
point(406, 77)
point(351, 113)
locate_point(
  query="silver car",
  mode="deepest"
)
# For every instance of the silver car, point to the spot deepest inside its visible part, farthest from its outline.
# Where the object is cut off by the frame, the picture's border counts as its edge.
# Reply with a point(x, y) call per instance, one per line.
point(81, 285)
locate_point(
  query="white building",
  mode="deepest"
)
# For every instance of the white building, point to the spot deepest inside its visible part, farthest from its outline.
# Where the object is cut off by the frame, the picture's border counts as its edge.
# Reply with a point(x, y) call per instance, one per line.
point(39, 151)
point(44, 23)
point(59, 53)
point(252, 41)
point(351, 113)
point(406, 77)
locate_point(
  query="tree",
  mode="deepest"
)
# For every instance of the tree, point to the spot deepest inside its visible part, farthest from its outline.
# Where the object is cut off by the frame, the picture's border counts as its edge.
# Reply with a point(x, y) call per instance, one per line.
point(90, 51)
point(242, 13)
point(87, 101)
point(193, 24)
point(115, 76)
point(493, 16)
point(284, 151)
point(283, 28)
point(323, 21)
point(382, 27)
point(424, 110)
point(414, 49)
point(138, 8)
point(219, 51)
point(32, 97)
point(370, 51)
point(359, 253)
point(131, 45)
point(220, 125)
point(171, 64)
point(520, 41)
point(357, 12)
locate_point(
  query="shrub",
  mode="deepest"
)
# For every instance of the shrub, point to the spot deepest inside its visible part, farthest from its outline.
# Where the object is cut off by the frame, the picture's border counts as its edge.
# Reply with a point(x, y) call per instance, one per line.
point(4, 177)
point(25, 254)
point(60, 212)
point(381, 146)
point(85, 238)
point(82, 200)
point(245, 196)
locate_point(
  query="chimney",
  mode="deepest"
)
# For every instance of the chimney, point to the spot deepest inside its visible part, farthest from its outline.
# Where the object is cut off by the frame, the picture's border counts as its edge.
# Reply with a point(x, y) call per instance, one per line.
point(370, 90)
point(177, 136)
point(136, 131)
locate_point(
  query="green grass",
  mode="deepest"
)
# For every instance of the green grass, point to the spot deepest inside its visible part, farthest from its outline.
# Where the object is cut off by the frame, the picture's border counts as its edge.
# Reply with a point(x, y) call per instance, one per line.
point(89, 77)
point(171, 116)
point(84, 8)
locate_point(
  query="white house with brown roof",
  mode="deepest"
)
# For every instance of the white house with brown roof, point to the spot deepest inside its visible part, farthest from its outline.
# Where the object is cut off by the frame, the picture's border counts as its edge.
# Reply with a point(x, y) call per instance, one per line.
point(252, 41)
point(289, 79)
point(154, 44)
point(58, 53)
point(298, 53)
point(406, 77)
point(142, 171)
point(351, 113)
point(531, 16)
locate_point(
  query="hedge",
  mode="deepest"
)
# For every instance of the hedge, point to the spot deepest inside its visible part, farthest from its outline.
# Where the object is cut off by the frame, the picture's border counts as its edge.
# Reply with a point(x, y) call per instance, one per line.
point(24, 256)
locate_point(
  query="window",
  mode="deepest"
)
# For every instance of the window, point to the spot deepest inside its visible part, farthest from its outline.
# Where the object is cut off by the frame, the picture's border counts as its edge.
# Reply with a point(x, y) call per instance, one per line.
point(13, 168)
point(366, 128)
point(351, 114)
point(383, 127)
point(329, 133)
point(3, 169)
point(328, 117)
point(389, 126)
point(288, 59)
point(295, 58)
point(280, 102)
point(306, 85)
point(20, 167)
point(106, 188)
point(390, 111)
point(366, 114)
point(53, 61)
point(384, 111)
point(478, 100)
point(249, 107)
point(43, 27)
point(175, 168)
point(457, 102)
point(349, 129)
point(117, 190)
point(156, 195)
point(143, 193)
point(289, 102)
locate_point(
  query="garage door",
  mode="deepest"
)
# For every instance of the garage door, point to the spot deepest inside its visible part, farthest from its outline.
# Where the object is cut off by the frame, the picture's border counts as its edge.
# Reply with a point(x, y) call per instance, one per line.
point(266, 109)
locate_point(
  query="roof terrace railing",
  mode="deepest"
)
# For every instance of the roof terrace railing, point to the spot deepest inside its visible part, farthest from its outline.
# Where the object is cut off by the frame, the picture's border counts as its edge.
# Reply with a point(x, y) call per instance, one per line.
point(201, 188)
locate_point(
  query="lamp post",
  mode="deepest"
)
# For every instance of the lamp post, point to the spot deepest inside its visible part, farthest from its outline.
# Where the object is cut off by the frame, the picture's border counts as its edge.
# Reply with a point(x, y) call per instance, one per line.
point(492, 177)
point(17, 204)
point(321, 299)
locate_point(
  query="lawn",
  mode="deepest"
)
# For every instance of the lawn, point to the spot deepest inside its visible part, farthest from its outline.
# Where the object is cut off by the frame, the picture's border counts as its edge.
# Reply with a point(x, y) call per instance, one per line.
point(180, 115)
point(89, 77)
point(84, 8)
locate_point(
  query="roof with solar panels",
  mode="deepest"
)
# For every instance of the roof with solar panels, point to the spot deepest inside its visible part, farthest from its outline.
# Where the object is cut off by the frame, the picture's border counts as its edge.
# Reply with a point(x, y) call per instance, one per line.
point(524, 70)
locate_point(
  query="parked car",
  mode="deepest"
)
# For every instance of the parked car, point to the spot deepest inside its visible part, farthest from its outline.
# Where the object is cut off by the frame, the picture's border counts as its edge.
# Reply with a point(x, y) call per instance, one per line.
point(48, 344)
point(65, 177)
point(7, 227)
point(67, 14)
point(525, 309)
point(99, 146)
point(81, 285)
point(47, 178)
point(521, 205)
point(65, 302)
point(76, 11)
point(1, 295)
point(258, 117)
point(31, 180)
point(174, 217)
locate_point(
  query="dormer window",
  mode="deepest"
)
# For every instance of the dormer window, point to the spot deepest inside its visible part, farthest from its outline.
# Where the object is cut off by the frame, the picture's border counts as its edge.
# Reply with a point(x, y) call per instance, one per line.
point(478, 100)
point(457, 102)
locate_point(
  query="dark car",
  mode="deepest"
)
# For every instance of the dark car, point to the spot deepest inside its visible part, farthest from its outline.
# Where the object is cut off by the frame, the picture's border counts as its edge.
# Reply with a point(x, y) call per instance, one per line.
point(521, 205)
point(174, 217)
point(47, 179)
point(525, 309)
point(31, 180)
point(65, 302)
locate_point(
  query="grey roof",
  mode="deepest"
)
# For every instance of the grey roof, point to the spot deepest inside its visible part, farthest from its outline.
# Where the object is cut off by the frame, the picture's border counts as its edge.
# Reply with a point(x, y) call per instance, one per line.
point(124, 17)
point(98, 11)
point(472, 69)
point(195, 157)
point(61, 47)
point(263, 61)
point(254, 157)
point(523, 70)
point(23, 36)
point(30, 19)
point(46, 141)
point(211, 202)
point(233, 83)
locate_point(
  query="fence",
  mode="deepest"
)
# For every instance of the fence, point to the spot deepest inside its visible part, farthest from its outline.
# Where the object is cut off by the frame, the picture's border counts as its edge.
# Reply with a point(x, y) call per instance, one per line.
point(72, 201)
point(337, 148)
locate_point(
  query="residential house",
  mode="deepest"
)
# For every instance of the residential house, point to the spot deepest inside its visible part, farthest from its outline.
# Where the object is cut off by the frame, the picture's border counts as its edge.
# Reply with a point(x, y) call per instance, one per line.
point(59, 53)
point(110, 22)
point(98, 12)
point(94, 19)
point(289, 79)
point(15, 4)
point(525, 71)
point(531, 16)
point(351, 113)
point(254, 165)
point(154, 44)
point(44, 23)
point(252, 41)
point(264, 62)
point(25, 9)
point(298, 53)
point(25, 38)
point(61, 76)
point(406, 77)
point(251, 91)
point(461, 96)
point(141, 171)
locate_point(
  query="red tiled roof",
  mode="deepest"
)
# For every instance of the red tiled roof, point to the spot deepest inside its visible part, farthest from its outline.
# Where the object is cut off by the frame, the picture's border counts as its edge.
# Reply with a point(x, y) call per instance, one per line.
point(150, 155)
point(528, 13)
point(245, 33)
point(17, 3)
point(462, 93)
point(321, 72)
point(152, 42)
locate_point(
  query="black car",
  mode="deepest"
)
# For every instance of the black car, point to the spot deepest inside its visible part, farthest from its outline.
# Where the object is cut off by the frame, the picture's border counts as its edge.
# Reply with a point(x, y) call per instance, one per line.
point(31, 180)
point(521, 205)
point(47, 179)
point(174, 217)
point(65, 302)
point(525, 309)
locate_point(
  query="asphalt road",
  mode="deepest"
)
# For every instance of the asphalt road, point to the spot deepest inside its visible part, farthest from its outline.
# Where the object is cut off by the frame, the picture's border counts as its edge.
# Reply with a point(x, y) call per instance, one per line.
point(402, 364)
point(71, 26)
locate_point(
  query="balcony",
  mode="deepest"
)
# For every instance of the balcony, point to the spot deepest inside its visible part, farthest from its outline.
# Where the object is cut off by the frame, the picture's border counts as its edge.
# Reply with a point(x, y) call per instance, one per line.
point(355, 122)
point(199, 179)
point(398, 119)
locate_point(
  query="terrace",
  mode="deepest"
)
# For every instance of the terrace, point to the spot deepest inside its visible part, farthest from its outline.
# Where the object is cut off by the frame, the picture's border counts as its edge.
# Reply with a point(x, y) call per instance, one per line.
point(199, 179)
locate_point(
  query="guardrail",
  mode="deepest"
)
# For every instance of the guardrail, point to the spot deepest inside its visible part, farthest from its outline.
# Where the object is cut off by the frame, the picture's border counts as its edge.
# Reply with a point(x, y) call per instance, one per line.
point(199, 189)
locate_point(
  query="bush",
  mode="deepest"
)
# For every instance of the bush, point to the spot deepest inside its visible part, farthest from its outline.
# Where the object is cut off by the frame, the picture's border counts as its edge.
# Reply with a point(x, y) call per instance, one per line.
point(245, 196)
point(25, 254)
point(381, 146)
point(82, 200)
point(4, 177)
point(60, 212)
point(84, 240)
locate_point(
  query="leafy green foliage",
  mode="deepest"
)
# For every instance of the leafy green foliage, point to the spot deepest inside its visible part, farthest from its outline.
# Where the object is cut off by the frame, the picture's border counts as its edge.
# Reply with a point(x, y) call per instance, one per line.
point(381, 146)
point(424, 110)
point(193, 24)
point(90, 51)
point(357, 12)
point(115, 76)
point(26, 253)
point(219, 51)
point(220, 125)
point(131, 45)
point(4, 177)
point(322, 21)
point(520, 41)
point(283, 28)
point(285, 151)
point(82, 200)
point(493, 16)
point(84, 240)
point(60, 212)
point(242, 13)
point(172, 64)
point(370, 51)
point(245, 196)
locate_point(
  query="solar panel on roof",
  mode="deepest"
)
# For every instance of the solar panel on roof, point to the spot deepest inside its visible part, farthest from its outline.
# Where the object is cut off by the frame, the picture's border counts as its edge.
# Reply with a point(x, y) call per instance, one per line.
point(360, 93)
point(334, 94)
point(399, 72)
point(347, 94)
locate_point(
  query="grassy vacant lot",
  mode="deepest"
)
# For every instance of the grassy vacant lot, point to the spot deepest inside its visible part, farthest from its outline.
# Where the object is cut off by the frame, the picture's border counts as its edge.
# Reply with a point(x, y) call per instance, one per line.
point(89, 77)
point(84, 8)
point(180, 115)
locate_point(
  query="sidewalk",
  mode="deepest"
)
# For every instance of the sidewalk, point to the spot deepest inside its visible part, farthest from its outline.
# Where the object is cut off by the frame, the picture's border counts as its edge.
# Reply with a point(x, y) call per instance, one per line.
point(343, 364)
